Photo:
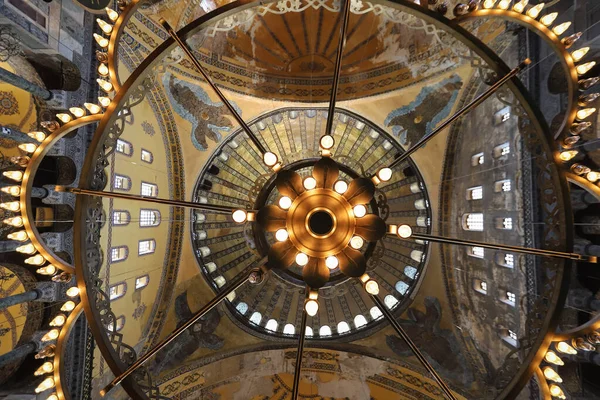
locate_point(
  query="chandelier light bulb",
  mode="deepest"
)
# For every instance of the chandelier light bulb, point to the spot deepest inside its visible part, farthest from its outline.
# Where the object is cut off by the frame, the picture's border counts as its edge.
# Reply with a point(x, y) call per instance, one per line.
point(105, 26)
point(17, 222)
point(384, 174)
point(239, 216)
point(45, 385)
point(311, 307)
point(592, 176)
point(45, 368)
point(372, 287)
point(548, 19)
point(14, 175)
point(570, 40)
point(552, 358)
point(580, 53)
point(281, 235)
point(38, 259)
point(112, 14)
point(504, 4)
point(359, 210)
point(37, 135)
point(28, 147)
point(104, 101)
point(101, 40)
point(68, 306)
point(534, 11)
point(102, 69)
point(568, 155)
point(92, 108)
point(285, 202)
point(301, 259)
point(78, 112)
point(46, 270)
point(551, 374)
point(64, 118)
point(59, 320)
point(586, 112)
point(404, 231)
point(12, 190)
point(53, 396)
point(105, 85)
point(562, 28)
point(489, 3)
point(340, 187)
point(584, 68)
point(565, 348)
point(556, 391)
point(270, 159)
point(309, 183)
point(356, 242)
point(327, 142)
point(26, 249)
point(51, 335)
point(72, 292)
point(520, 6)
point(11, 206)
point(332, 262)
point(20, 236)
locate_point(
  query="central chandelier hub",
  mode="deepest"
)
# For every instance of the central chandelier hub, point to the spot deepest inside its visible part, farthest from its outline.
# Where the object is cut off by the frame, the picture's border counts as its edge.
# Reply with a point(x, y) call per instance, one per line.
point(320, 222)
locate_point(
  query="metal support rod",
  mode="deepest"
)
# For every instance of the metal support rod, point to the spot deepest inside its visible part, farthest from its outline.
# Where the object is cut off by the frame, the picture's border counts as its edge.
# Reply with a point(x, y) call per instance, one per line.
point(208, 80)
point(476, 102)
point(296, 385)
point(345, 10)
point(238, 281)
point(415, 350)
point(24, 84)
point(516, 249)
point(174, 203)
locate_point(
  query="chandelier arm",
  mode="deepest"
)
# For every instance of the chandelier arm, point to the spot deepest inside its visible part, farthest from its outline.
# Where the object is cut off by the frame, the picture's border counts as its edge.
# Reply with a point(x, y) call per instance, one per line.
point(338, 65)
point(415, 350)
point(238, 281)
point(298, 367)
point(208, 80)
point(516, 249)
point(474, 103)
point(156, 200)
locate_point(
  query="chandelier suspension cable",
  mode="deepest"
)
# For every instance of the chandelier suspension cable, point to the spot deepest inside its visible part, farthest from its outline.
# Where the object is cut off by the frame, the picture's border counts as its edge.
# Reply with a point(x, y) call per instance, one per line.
point(208, 80)
point(238, 281)
point(345, 10)
point(148, 199)
point(298, 366)
point(473, 104)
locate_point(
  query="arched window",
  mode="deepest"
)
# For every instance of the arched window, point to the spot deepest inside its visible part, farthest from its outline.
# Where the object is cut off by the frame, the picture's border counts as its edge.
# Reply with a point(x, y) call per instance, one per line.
point(271, 325)
point(141, 282)
point(402, 287)
point(416, 255)
point(475, 251)
point(121, 217)
point(118, 253)
point(220, 281)
point(473, 222)
point(325, 330)
point(149, 217)
point(308, 331)
point(256, 317)
point(289, 329)
point(343, 327)
point(210, 267)
point(359, 321)
point(122, 182)
point(410, 271)
point(390, 301)
point(242, 307)
point(147, 156)
point(117, 291)
point(120, 323)
point(204, 251)
point(149, 189)
point(146, 247)
point(375, 312)
point(124, 147)
point(505, 259)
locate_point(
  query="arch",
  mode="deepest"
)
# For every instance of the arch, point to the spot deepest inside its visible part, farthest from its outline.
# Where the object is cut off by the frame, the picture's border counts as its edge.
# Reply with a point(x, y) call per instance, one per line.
point(256, 317)
point(325, 330)
point(242, 307)
point(375, 313)
point(343, 327)
point(271, 325)
point(402, 287)
point(289, 329)
point(390, 301)
point(359, 321)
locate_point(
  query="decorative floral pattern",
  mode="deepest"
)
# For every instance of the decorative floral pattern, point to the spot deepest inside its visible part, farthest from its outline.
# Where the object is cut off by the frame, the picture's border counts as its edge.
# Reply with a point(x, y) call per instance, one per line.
point(8, 104)
point(148, 128)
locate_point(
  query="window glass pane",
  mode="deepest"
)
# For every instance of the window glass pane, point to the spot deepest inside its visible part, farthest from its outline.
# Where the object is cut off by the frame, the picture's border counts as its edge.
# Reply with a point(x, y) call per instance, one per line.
point(390, 301)
point(242, 307)
point(256, 317)
point(325, 331)
point(289, 329)
point(343, 327)
point(473, 222)
point(411, 272)
point(271, 325)
point(375, 312)
point(402, 287)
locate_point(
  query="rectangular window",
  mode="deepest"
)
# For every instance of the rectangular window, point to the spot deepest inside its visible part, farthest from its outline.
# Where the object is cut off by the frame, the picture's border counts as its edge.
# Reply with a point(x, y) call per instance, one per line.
point(509, 298)
point(504, 223)
point(512, 334)
point(141, 282)
point(122, 182)
point(473, 222)
point(120, 217)
point(149, 217)
point(118, 253)
point(146, 247)
point(502, 186)
point(117, 291)
point(477, 159)
point(475, 251)
point(475, 193)
point(502, 150)
point(502, 116)
point(147, 156)
point(510, 337)
point(149, 189)
point(509, 260)
point(480, 286)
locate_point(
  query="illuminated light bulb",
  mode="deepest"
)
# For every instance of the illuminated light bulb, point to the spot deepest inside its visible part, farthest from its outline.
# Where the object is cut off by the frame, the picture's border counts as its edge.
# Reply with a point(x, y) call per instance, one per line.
point(311, 307)
point(359, 211)
point(45, 368)
point(64, 118)
point(309, 183)
point(78, 112)
point(404, 231)
point(52, 334)
point(556, 391)
point(384, 174)
point(112, 14)
point(281, 235)
point(504, 4)
point(332, 262)
point(340, 187)
point(14, 175)
point(552, 358)
point(562, 28)
point(11, 205)
point(584, 68)
point(105, 26)
point(72, 291)
point(26, 249)
point(14, 221)
point(20, 236)
point(53, 396)
point(301, 259)
point(568, 155)
point(534, 11)
point(12, 190)
point(38, 259)
point(68, 306)
point(28, 147)
point(46, 270)
point(520, 6)
point(59, 320)
point(356, 242)
point(39, 136)
point(104, 101)
point(240, 216)
point(549, 18)
point(372, 287)
point(105, 85)
point(101, 40)
point(102, 69)
point(592, 176)
point(92, 108)
point(489, 3)
point(285, 202)
point(45, 385)
point(586, 112)
point(270, 159)
point(565, 348)
point(580, 53)
point(551, 374)
point(327, 142)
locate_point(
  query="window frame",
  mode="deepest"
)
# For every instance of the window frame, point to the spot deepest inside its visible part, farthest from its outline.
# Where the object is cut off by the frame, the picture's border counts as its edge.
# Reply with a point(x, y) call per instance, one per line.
point(143, 286)
point(153, 250)
point(480, 286)
point(152, 186)
point(126, 178)
point(118, 284)
point(127, 213)
point(152, 210)
point(120, 259)
point(125, 143)
point(472, 190)
point(142, 151)
point(466, 223)
point(475, 159)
